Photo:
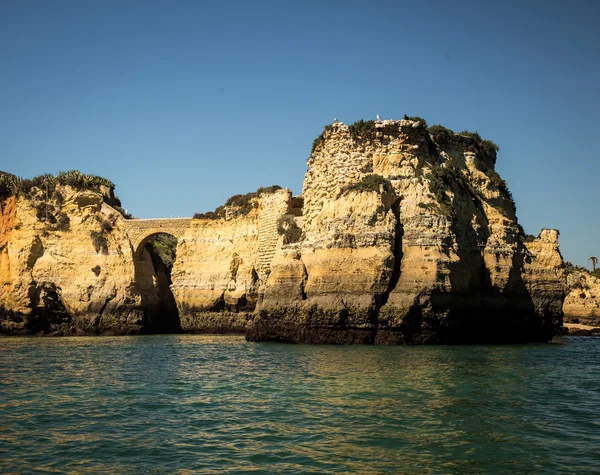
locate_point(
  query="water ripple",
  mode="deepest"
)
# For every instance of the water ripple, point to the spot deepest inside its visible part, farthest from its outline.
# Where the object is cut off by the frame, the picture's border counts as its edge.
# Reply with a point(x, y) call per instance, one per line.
point(204, 404)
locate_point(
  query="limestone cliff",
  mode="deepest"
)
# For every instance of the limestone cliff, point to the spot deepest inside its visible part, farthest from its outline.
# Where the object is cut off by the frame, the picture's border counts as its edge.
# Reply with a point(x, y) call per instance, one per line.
point(409, 236)
point(221, 262)
point(403, 234)
point(582, 303)
point(66, 264)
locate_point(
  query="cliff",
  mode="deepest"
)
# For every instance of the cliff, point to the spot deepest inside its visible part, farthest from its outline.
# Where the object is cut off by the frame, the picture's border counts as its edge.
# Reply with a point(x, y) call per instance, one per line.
point(67, 266)
point(222, 262)
point(582, 303)
point(70, 264)
point(404, 234)
point(410, 236)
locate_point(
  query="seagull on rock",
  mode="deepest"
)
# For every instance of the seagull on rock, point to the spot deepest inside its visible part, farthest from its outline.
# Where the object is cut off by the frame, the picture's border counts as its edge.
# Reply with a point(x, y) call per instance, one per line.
point(378, 118)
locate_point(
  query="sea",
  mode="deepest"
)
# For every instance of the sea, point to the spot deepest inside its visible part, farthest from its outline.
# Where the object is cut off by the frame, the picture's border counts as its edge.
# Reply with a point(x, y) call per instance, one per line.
point(185, 404)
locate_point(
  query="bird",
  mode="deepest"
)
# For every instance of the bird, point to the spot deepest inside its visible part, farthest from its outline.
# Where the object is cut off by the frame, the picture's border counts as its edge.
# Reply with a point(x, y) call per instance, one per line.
point(335, 121)
point(378, 118)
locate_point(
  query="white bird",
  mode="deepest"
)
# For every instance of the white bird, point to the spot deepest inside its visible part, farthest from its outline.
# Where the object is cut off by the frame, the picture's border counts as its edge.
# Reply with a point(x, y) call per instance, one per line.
point(378, 118)
point(335, 121)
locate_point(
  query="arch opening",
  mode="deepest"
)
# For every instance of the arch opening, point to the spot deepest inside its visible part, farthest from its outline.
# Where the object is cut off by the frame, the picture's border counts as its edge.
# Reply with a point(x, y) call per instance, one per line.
point(154, 258)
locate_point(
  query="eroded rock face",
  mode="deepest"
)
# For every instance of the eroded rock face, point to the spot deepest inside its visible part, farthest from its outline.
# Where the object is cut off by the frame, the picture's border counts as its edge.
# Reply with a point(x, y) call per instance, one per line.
point(65, 266)
point(582, 303)
point(220, 266)
point(400, 237)
point(431, 254)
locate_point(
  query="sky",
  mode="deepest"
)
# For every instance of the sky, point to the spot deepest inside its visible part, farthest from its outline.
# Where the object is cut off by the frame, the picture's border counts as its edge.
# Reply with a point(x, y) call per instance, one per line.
point(185, 103)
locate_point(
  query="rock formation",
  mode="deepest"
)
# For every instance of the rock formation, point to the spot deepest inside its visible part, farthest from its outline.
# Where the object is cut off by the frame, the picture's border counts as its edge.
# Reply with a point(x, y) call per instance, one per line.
point(582, 303)
point(67, 266)
point(409, 237)
point(404, 234)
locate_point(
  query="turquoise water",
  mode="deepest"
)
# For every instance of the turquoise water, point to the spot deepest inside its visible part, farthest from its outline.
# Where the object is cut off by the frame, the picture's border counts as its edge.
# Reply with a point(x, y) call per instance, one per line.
point(202, 404)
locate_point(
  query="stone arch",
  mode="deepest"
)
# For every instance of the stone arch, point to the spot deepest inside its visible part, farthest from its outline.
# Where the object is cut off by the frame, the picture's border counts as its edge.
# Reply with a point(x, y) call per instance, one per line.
point(152, 277)
point(141, 230)
point(141, 242)
point(153, 281)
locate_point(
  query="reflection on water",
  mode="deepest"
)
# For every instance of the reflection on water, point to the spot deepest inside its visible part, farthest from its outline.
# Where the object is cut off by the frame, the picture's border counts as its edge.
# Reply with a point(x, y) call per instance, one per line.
point(201, 404)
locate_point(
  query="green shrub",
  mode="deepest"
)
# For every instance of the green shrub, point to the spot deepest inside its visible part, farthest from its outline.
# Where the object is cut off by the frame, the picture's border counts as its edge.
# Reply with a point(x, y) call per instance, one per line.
point(244, 203)
point(45, 212)
point(368, 183)
point(440, 132)
point(415, 119)
point(487, 146)
point(570, 268)
point(497, 181)
point(100, 242)
point(79, 180)
point(123, 212)
point(289, 229)
point(440, 180)
point(443, 178)
point(165, 248)
point(216, 214)
point(11, 184)
point(267, 190)
point(106, 226)
point(8, 184)
point(363, 130)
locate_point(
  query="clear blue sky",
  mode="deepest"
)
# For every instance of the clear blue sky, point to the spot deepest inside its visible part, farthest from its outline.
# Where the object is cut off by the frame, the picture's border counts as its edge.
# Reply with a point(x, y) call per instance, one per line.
point(183, 104)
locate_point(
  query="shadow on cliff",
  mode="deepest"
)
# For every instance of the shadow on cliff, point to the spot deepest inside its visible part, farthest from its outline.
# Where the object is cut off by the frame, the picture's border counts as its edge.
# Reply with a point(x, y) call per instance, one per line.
point(477, 311)
point(153, 279)
point(473, 309)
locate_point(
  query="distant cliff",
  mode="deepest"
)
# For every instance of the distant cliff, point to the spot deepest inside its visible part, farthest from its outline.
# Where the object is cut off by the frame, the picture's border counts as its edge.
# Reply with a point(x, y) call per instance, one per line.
point(404, 234)
point(582, 303)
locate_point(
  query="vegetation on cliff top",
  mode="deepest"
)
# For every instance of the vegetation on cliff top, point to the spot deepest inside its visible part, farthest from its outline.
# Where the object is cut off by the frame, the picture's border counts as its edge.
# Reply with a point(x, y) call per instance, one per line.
point(571, 268)
point(440, 132)
point(12, 185)
point(415, 119)
point(363, 131)
point(371, 182)
point(488, 147)
point(243, 204)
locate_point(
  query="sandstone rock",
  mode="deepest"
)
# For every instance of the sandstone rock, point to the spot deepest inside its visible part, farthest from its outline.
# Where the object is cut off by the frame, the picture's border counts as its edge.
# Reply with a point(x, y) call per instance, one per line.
point(53, 276)
point(400, 237)
point(435, 256)
point(582, 303)
point(217, 274)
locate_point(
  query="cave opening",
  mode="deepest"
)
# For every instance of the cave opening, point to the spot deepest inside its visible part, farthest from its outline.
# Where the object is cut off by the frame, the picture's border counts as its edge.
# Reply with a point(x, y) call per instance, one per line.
point(154, 260)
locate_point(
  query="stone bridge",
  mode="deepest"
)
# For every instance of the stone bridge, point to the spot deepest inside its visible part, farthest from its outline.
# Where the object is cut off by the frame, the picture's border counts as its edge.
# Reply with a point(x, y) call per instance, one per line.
point(140, 230)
